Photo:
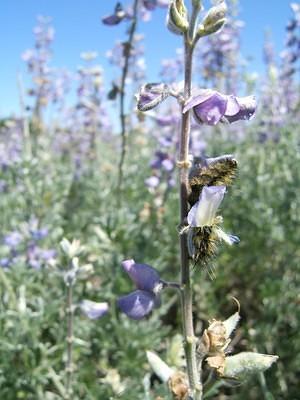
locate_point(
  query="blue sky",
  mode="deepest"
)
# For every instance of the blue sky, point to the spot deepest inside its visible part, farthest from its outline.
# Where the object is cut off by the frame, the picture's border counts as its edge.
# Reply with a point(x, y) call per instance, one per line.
point(78, 28)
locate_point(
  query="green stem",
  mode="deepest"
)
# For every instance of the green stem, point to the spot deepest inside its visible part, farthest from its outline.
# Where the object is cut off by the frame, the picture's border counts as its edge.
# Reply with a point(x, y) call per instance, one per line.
point(187, 295)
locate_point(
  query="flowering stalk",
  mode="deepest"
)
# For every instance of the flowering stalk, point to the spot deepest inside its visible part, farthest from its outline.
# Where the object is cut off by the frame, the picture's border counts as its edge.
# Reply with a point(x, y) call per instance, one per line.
point(127, 53)
point(188, 328)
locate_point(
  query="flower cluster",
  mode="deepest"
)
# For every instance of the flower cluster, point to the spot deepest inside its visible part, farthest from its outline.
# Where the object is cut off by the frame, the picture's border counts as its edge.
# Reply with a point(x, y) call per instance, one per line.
point(27, 241)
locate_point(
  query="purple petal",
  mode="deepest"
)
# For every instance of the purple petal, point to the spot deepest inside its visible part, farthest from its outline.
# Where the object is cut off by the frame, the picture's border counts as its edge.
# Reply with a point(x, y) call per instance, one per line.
point(211, 110)
point(202, 96)
point(247, 109)
point(167, 164)
point(92, 309)
point(144, 276)
point(150, 4)
point(111, 20)
point(138, 304)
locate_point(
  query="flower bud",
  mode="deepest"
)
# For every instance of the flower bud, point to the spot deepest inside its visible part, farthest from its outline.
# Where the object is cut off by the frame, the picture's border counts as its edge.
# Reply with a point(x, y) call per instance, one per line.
point(214, 20)
point(160, 368)
point(92, 309)
point(177, 21)
point(243, 364)
point(71, 249)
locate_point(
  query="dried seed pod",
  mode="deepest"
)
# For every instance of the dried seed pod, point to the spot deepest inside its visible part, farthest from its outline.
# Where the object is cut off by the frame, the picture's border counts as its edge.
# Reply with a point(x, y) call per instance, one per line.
point(178, 384)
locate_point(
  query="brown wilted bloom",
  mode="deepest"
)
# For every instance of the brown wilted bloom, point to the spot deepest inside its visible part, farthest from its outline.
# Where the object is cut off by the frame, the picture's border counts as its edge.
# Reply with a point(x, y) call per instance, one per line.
point(178, 384)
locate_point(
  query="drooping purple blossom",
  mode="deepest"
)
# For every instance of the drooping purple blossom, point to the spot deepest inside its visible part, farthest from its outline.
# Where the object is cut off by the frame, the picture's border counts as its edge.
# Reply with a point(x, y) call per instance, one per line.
point(118, 15)
point(210, 107)
point(141, 302)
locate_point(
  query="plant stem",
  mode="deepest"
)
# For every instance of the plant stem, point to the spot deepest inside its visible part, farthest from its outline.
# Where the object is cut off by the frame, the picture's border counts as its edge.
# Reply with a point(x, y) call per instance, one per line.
point(127, 53)
point(69, 365)
point(186, 298)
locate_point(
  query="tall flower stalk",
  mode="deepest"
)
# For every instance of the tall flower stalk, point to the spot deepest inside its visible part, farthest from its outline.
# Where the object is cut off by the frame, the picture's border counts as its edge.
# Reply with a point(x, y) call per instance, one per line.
point(187, 296)
point(201, 192)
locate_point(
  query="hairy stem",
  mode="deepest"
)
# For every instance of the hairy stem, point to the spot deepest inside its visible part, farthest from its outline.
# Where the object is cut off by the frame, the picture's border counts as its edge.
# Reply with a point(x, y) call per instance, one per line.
point(186, 298)
point(127, 51)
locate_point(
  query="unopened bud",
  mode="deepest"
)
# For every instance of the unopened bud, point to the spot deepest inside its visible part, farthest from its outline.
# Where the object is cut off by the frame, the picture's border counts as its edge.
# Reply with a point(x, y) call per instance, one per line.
point(214, 20)
point(71, 249)
point(243, 364)
point(160, 368)
point(177, 21)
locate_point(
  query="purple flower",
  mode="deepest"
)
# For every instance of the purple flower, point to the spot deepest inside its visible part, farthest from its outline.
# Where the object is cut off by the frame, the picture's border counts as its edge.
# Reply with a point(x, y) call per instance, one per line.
point(5, 262)
point(151, 95)
point(138, 304)
point(211, 107)
point(93, 310)
point(13, 239)
point(38, 257)
point(204, 211)
point(152, 182)
point(150, 4)
point(118, 15)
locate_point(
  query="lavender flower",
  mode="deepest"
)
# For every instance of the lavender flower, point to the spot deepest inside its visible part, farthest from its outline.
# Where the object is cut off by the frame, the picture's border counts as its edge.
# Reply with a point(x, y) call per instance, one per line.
point(118, 16)
point(211, 107)
point(140, 303)
point(151, 95)
point(13, 239)
point(92, 309)
point(152, 182)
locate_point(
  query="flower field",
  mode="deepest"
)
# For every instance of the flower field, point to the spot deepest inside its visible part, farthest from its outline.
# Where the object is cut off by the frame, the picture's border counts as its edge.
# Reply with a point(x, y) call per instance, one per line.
point(150, 234)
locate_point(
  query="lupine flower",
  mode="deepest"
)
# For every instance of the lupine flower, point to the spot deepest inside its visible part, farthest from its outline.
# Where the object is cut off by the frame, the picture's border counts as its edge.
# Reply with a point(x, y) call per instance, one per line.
point(152, 182)
point(203, 231)
point(38, 257)
point(150, 4)
point(151, 95)
point(118, 16)
point(204, 211)
point(140, 303)
point(13, 239)
point(211, 107)
point(92, 309)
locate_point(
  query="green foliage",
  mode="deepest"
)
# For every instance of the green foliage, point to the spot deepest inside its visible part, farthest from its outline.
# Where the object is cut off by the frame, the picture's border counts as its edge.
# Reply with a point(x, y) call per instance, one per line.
point(110, 353)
